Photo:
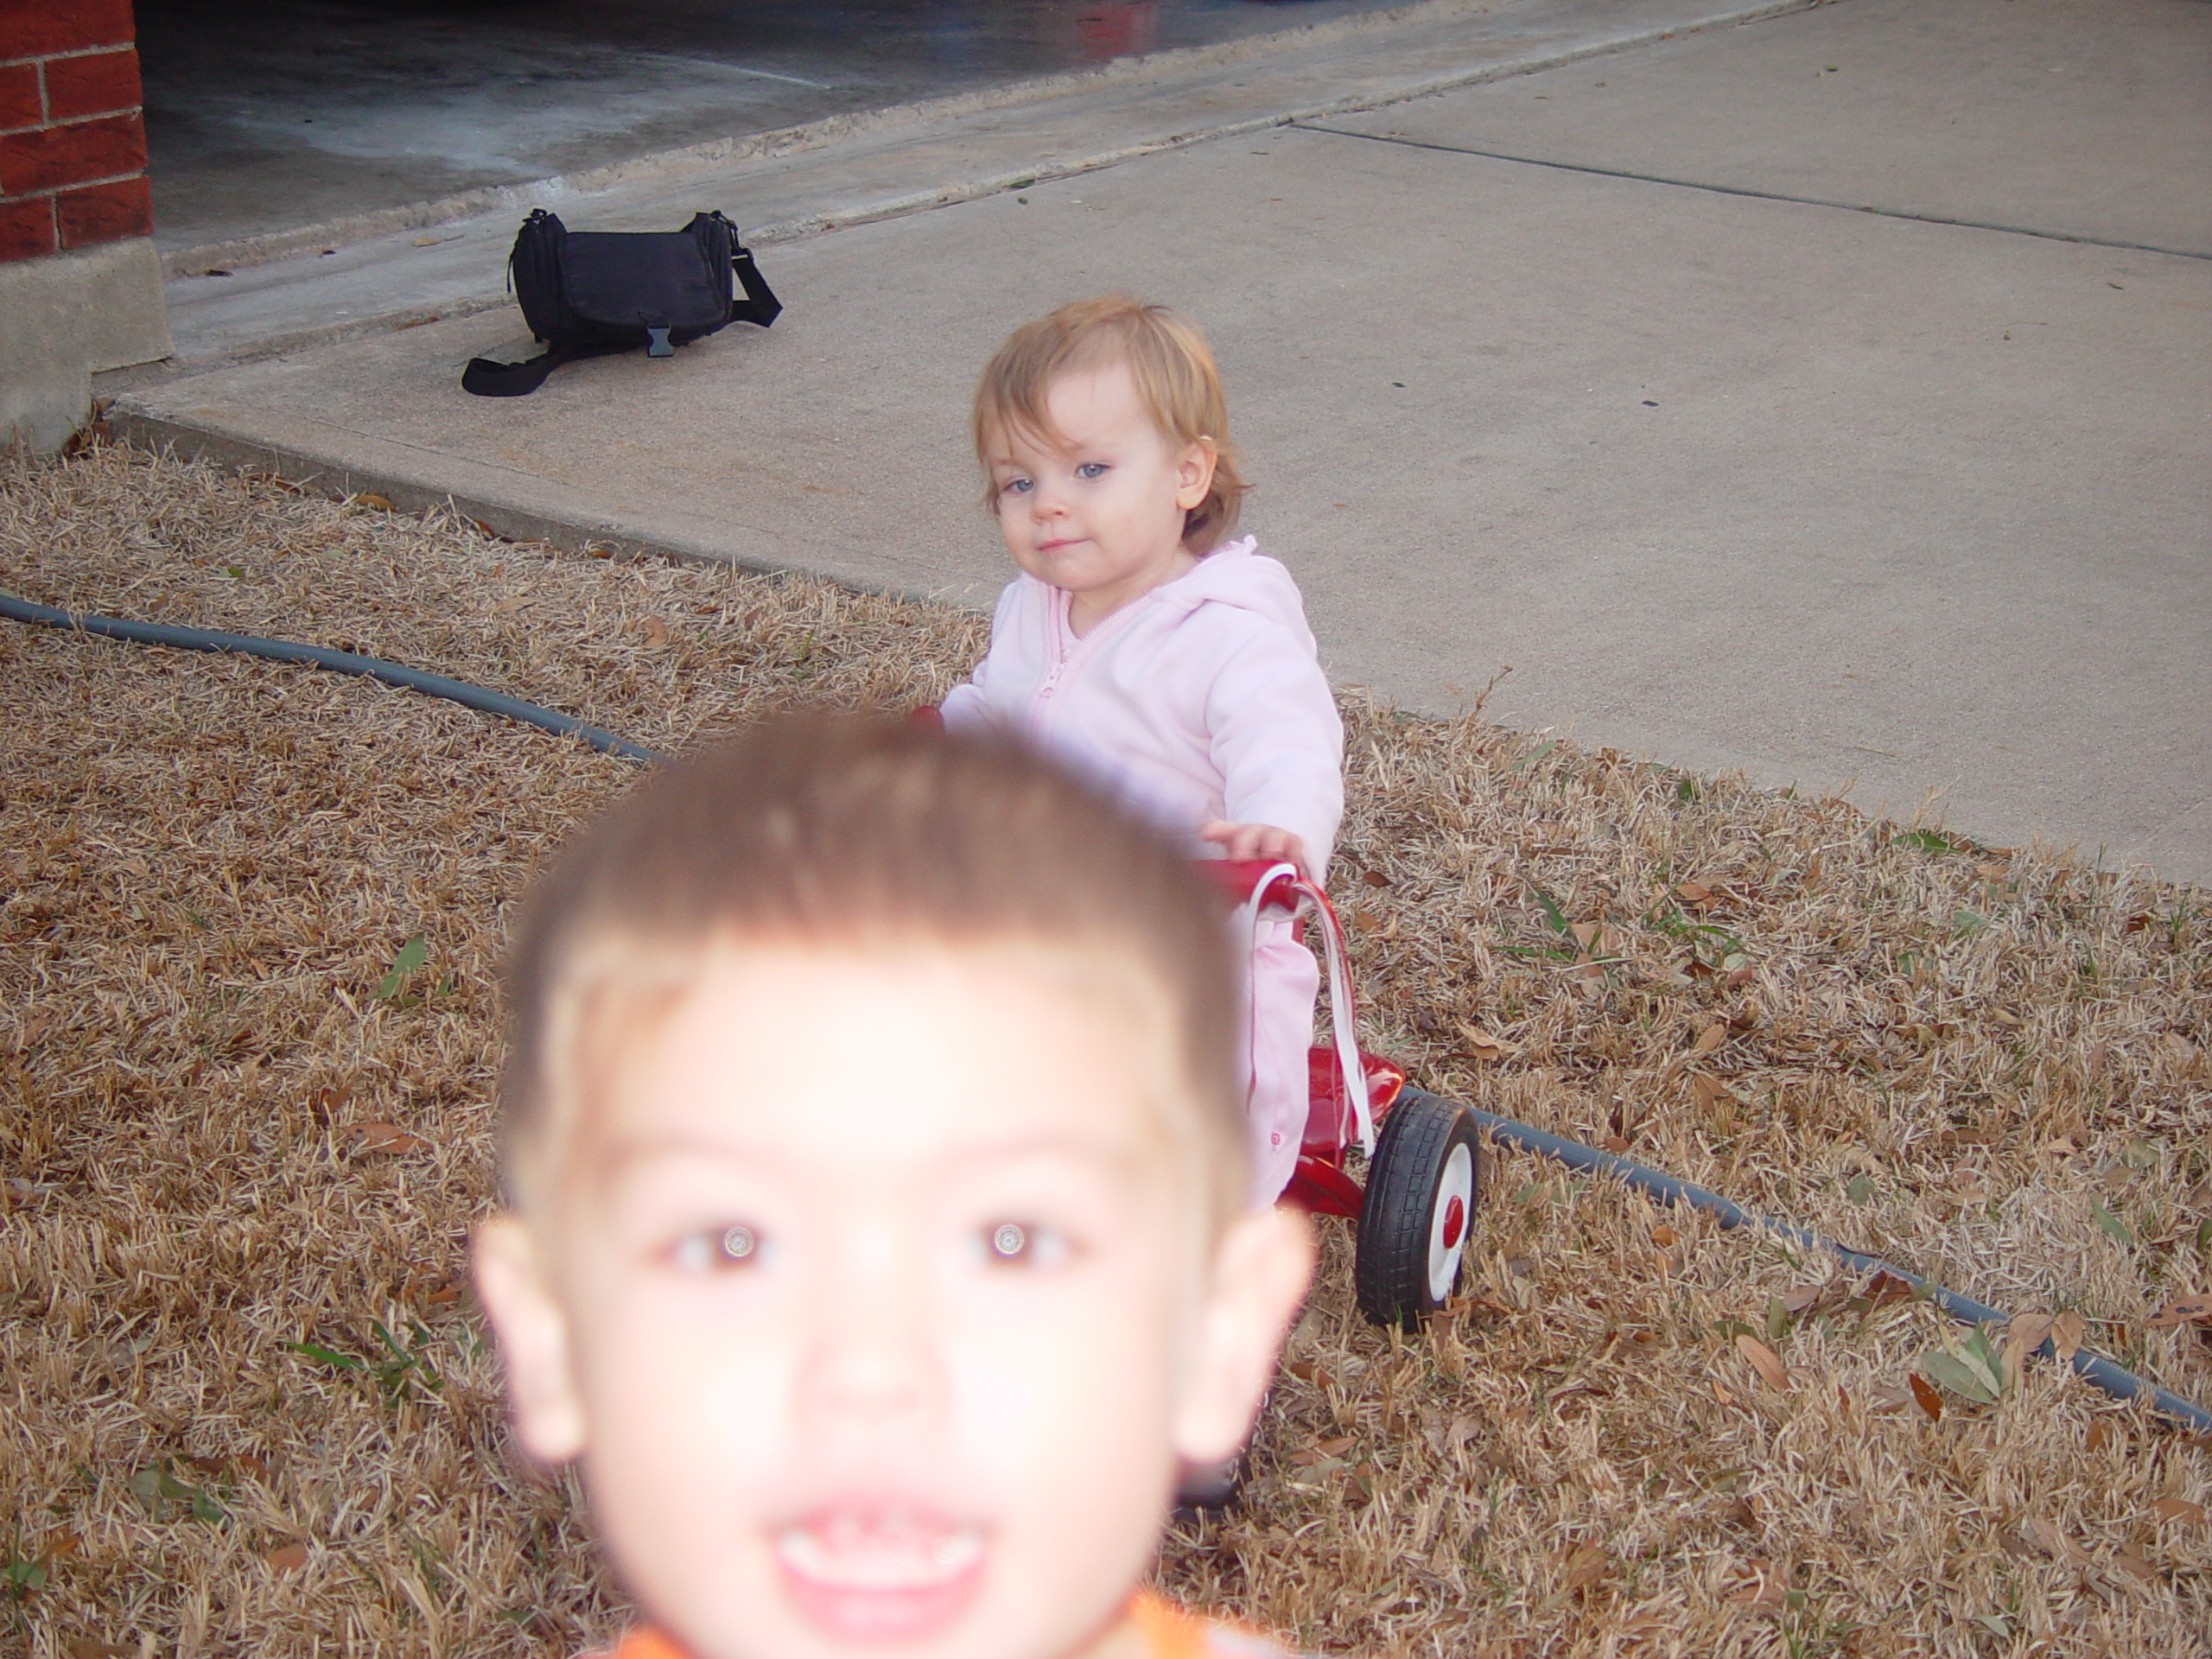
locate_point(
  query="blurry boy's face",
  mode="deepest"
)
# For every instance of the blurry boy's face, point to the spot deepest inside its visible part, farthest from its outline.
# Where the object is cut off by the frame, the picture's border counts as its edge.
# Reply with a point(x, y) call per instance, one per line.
point(877, 1298)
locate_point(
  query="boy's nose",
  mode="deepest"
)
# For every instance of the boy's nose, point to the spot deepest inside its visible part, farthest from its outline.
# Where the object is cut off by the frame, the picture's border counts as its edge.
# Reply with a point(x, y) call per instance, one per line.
point(867, 1372)
point(870, 1356)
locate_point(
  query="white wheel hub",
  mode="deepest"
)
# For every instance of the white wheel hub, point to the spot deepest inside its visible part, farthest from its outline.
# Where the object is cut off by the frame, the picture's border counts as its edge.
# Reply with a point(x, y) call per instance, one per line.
point(1448, 1221)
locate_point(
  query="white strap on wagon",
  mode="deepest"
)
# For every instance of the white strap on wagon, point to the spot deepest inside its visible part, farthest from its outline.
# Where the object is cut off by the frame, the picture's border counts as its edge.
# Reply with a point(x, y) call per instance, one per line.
point(1308, 900)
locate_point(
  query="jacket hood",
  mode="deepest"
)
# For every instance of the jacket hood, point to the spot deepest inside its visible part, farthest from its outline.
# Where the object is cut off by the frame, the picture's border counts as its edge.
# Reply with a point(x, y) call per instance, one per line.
point(1237, 574)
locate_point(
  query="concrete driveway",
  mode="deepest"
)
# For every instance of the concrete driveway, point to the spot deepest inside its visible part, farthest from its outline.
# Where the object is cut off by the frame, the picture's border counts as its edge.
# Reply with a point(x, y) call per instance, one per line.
point(1603, 372)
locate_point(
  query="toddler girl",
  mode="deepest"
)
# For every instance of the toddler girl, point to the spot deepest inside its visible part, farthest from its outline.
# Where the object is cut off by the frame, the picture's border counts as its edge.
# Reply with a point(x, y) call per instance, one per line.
point(1145, 648)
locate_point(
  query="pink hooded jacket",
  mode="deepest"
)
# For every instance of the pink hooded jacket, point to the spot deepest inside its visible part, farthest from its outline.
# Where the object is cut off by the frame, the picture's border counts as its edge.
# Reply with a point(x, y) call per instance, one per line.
point(1203, 700)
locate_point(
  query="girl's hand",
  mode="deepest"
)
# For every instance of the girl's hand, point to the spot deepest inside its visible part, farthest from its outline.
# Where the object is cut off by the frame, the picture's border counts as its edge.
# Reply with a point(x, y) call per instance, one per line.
point(1255, 841)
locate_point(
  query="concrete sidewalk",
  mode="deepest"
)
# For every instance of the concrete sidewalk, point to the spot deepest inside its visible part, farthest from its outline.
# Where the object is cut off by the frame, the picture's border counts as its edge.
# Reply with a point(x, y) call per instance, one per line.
point(1729, 477)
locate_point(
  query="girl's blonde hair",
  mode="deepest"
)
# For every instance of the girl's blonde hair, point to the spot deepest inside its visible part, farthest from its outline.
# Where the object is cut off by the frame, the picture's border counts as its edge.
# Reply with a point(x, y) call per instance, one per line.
point(1176, 380)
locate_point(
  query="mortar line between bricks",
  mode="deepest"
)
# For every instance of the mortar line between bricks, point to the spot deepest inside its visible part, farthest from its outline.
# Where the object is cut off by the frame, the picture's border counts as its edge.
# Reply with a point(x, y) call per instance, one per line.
point(1744, 191)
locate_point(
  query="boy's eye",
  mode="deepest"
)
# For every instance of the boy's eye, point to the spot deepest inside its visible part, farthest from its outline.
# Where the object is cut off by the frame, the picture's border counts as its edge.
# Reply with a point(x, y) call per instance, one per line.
point(1091, 469)
point(1013, 1244)
point(716, 1248)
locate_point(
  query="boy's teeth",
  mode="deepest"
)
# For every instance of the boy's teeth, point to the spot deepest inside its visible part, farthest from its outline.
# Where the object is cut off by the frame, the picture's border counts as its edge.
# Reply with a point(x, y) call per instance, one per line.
point(878, 1552)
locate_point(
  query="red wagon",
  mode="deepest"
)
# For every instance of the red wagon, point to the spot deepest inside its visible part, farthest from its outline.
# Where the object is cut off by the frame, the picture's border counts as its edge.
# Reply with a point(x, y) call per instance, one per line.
point(1414, 1210)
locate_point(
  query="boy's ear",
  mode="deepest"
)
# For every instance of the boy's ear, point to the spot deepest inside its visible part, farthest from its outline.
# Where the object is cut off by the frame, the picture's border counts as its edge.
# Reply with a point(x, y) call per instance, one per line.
point(1262, 1268)
point(1194, 476)
point(533, 1335)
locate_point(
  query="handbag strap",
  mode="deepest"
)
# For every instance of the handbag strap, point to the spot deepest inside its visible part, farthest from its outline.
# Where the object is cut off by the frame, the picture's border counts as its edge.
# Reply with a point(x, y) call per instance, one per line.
point(489, 377)
point(761, 304)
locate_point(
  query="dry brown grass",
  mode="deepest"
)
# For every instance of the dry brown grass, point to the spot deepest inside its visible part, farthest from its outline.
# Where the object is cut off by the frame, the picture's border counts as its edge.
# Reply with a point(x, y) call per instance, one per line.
point(1990, 1067)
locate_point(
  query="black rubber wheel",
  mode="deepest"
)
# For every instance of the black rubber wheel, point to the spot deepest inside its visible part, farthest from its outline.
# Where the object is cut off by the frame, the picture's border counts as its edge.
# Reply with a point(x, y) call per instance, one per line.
point(1419, 1209)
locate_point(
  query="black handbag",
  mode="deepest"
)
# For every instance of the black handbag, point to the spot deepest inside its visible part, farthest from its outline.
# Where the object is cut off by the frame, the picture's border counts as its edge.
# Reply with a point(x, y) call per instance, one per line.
point(586, 293)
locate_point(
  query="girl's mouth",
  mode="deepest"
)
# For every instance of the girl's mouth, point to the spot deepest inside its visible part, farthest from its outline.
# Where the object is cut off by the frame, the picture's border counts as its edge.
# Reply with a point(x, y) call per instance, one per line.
point(880, 1573)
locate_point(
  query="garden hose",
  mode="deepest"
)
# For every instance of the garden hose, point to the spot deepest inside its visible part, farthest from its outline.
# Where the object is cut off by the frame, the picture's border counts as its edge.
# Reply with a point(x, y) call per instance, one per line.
point(338, 662)
point(2092, 1368)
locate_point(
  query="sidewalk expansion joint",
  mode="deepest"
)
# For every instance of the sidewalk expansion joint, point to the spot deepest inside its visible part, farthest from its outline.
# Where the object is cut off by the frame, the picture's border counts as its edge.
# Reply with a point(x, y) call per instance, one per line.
point(1404, 142)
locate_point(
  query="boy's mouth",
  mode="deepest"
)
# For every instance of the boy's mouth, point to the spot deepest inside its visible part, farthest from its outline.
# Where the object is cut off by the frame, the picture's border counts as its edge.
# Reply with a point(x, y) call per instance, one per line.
point(868, 1572)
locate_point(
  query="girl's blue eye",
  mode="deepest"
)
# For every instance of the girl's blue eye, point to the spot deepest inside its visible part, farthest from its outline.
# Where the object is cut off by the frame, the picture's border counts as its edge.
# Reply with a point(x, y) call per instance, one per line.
point(1011, 1244)
point(1091, 469)
point(1014, 486)
point(713, 1249)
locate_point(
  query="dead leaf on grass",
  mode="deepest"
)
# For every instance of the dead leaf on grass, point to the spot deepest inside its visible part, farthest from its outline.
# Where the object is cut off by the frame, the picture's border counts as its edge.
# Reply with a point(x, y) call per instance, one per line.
point(2054, 1544)
point(1711, 1038)
point(2129, 1562)
point(326, 1103)
point(1585, 1565)
point(656, 631)
point(1885, 1288)
point(287, 1558)
point(1800, 1298)
point(372, 1139)
point(1484, 1047)
point(1766, 1590)
point(2066, 1333)
point(1923, 1393)
point(2023, 1334)
point(2189, 1310)
point(1763, 1360)
point(2179, 1508)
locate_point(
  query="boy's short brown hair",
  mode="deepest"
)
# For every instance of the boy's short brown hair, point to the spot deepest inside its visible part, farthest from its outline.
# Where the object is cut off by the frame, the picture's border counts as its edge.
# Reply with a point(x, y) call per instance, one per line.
point(843, 831)
point(1175, 377)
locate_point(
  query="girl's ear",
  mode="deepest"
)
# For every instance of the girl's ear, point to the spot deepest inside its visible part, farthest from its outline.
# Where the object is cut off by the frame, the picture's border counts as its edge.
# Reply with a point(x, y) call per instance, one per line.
point(1194, 472)
point(1262, 1268)
point(533, 1334)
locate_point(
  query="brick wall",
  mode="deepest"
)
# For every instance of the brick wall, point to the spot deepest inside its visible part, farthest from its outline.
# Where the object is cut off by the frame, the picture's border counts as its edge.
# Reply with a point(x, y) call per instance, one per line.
point(72, 148)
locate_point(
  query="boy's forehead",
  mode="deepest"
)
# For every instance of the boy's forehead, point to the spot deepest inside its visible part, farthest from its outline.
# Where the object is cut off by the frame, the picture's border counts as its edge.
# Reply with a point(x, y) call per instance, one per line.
point(916, 1044)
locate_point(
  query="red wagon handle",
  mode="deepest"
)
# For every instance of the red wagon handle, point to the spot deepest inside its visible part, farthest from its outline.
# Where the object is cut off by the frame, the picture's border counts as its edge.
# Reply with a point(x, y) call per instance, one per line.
point(1257, 886)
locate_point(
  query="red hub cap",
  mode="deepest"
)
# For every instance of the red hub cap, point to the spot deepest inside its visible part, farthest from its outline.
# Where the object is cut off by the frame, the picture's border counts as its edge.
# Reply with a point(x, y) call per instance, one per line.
point(1455, 1220)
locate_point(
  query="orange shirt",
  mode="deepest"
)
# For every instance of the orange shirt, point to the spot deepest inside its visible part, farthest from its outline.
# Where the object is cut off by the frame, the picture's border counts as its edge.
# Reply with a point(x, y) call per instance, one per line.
point(1168, 1632)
